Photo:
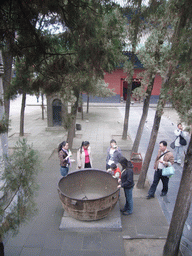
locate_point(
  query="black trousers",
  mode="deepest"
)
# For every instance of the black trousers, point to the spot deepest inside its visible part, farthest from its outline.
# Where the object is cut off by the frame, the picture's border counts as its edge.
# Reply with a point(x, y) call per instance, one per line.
point(157, 177)
point(87, 165)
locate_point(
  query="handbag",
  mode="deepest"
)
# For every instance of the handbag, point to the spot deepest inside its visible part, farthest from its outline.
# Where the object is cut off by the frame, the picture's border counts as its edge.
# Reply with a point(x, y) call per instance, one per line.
point(168, 171)
point(172, 145)
point(182, 141)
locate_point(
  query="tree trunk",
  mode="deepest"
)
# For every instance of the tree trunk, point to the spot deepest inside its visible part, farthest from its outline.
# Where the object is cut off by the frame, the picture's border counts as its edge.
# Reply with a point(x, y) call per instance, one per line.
point(71, 131)
point(82, 106)
point(87, 103)
point(1, 247)
point(3, 136)
point(183, 202)
point(2, 148)
point(82, 114)
point(22, 114)
point(8, 61)
point(147, 100)
point(144, 116)
point(155, 129)
point(127, 108)
point(42, 105)
point(152, 141)
point(136, 22)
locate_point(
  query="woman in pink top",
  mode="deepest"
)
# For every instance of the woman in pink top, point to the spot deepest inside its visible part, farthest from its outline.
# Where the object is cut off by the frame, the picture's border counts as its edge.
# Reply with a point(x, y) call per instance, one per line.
point(84, 158)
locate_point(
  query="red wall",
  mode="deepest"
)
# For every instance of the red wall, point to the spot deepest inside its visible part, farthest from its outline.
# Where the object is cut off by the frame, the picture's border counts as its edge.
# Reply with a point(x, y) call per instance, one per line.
point(115, 81)
point(157, 85)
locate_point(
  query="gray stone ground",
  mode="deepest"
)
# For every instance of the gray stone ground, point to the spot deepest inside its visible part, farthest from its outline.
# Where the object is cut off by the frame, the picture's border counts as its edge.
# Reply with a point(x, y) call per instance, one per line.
point(143, 233)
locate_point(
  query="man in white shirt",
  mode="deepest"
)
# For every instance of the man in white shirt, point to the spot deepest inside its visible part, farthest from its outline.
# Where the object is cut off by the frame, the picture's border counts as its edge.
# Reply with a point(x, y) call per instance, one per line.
point(163, 159)
point(178, 147)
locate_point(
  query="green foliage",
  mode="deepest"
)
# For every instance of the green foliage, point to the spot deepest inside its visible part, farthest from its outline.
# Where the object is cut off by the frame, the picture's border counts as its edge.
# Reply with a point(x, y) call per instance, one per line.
point(180, 93)
point(82, 52)
point(178, 60)
point(91, 44)
point(20, 186)
point(4, 125)
point(129, 69)
point(139, 94)
point(101, 89)
point(167, 51)
point(21, 83)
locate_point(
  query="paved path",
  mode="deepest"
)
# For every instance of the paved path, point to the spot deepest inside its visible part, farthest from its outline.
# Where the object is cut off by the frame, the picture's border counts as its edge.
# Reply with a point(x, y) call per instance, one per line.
point(166, 132)
point(41, 235)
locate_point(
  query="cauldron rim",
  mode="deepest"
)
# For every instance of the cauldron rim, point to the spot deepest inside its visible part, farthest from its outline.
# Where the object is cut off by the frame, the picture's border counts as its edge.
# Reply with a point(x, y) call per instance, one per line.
point(86, 169)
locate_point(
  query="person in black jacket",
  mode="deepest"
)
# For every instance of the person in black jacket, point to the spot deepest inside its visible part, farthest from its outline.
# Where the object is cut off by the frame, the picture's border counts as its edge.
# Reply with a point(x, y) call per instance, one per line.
point(127, 184)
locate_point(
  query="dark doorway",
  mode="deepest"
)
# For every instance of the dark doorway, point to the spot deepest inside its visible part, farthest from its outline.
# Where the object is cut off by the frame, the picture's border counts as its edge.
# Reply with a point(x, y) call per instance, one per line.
point(125, 85)
point(57, 118)
point(135, 83)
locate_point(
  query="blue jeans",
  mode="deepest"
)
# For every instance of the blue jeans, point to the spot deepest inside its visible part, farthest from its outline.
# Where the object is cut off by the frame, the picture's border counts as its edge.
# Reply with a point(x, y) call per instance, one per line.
point(178, 154)
point(64, 171)
point(157, 177)
point(129, 200)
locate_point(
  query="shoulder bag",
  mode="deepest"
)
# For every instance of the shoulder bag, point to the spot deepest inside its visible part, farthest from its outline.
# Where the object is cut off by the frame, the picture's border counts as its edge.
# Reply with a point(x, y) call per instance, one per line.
point(172, 145)
point(162, 155)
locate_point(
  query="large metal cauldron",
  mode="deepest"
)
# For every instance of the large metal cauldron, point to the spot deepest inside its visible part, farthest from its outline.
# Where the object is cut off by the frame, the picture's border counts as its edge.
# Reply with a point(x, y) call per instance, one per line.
point(88, 194)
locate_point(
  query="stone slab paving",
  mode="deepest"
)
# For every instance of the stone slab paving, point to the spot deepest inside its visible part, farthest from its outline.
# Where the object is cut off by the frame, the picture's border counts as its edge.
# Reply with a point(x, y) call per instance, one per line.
point(169, 122)
point(41, 236)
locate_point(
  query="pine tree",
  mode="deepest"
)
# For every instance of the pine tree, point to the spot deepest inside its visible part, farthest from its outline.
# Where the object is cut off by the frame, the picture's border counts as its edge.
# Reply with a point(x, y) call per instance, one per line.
point(180, 95)
point(150, 56)
point(19, 188)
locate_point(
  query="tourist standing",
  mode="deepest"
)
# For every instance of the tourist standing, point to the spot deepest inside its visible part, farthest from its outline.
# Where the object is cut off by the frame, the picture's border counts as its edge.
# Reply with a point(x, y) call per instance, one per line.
point(64, 156)
point(179, 143)
point(113, 154)
point(127, 183)
point(84, 156)
point(164, 157)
